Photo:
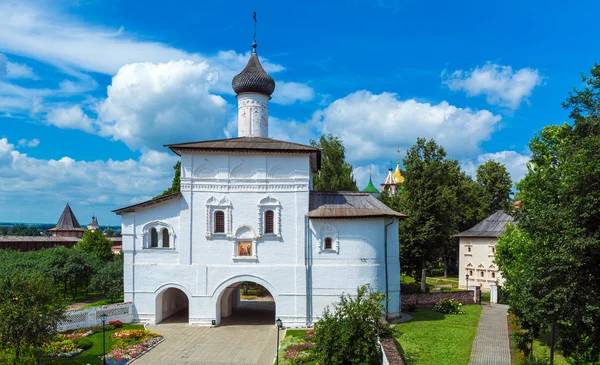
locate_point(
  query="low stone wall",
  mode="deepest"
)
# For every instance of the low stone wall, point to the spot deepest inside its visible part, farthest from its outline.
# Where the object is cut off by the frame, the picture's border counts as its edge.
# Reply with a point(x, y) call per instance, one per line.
point(427, 300)
point(391, 356)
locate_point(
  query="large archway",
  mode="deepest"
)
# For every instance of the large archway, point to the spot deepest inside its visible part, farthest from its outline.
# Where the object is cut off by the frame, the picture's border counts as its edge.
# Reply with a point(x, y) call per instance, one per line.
point(246, 303)
point(172, 306)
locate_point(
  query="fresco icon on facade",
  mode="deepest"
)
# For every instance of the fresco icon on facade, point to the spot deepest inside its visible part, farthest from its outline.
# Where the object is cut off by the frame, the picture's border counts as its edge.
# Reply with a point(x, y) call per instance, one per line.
point(244, 248)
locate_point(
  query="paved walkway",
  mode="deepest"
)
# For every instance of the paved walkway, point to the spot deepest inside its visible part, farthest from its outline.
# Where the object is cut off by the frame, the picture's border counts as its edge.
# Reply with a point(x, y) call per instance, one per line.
point(491, 345)
point(242, 339)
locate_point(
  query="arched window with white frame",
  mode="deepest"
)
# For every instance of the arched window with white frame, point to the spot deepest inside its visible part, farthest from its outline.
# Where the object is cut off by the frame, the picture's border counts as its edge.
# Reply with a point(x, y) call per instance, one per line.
point(218, 217)
point(158, 235)
point(329, 238)
point(165, 237)
point(269, 217)
point(153, 237)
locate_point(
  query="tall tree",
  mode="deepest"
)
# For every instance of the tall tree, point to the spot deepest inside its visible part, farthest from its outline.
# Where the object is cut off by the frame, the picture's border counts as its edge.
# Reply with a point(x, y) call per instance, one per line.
point(429, 199)
point(561, 214)
point(30, 309)
point(336, 173)
point(176, 185)
point(497, 186)
point(94, 243)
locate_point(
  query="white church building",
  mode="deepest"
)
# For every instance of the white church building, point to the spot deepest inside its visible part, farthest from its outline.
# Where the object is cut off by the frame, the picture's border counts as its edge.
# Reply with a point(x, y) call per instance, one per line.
point(247, 213)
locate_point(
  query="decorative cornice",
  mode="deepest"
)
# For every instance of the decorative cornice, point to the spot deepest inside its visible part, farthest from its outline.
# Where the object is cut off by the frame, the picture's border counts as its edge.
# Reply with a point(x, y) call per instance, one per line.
point(245, 187)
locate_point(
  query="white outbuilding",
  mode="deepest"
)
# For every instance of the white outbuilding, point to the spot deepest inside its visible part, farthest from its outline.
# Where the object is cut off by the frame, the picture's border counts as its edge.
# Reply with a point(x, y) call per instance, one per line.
point(246, 212)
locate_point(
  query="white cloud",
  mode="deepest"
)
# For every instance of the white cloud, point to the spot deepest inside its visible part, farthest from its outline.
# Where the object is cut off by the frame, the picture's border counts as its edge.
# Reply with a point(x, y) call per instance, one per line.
point(373, 126)
point(500, 84)
point(290, 92)
point(29, 142)
point(103, 185)
point(70, 118)
point(515, 163)
point(150, 104)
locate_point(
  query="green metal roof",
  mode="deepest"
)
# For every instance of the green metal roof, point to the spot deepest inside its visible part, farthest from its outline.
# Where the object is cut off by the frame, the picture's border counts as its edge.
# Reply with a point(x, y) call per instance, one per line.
point(370, 188)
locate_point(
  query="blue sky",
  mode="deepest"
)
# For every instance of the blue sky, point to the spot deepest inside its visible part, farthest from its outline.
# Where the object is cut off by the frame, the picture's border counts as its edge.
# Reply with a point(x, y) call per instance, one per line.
point(91, 90)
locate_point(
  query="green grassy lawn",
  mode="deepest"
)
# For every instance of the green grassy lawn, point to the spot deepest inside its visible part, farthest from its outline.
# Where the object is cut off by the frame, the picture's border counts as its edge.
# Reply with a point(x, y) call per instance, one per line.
point(104, 301)
point(432, 281)
point(485, 297)
point(433, 338)
point(542, 351)
point(91, 356)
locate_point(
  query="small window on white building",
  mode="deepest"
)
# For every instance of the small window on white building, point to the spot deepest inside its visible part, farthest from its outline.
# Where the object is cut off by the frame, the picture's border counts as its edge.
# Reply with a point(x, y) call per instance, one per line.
point(483, 274)
point(269, 217)
point(470, 272)
point(328, 243)
point(269, 222)
point(153, 237)
point(219, 226)
point(493, 275)
point(218, 217)
point(469, 249)
point(165, 238)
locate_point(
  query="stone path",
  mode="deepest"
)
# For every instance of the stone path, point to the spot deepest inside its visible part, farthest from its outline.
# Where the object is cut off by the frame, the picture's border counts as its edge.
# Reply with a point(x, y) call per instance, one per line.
point(243, 339)
point(491, 345)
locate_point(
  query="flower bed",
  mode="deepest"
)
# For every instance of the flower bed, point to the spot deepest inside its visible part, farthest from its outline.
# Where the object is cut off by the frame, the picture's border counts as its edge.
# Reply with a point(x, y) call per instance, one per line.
point(130, 344)
point(297, 347)
point(64, 348)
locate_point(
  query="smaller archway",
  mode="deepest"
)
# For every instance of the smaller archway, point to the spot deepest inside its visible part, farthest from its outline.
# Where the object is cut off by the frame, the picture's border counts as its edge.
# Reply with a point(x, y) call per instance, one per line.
point(172, 306)
point(246, 303)
point(153, 237)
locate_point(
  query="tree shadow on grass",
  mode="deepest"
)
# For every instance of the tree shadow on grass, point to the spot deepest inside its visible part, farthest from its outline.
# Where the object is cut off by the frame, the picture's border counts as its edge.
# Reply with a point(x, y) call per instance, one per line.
point(426, 314)
point(406, 357)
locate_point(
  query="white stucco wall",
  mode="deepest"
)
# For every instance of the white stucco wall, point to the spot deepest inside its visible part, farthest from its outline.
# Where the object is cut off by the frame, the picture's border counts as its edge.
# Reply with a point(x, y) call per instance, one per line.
point(204, 267)
point(480, 260)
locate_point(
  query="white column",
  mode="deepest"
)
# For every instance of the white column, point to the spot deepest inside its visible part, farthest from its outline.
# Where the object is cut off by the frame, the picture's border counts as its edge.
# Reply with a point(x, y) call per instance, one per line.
point(253, 115)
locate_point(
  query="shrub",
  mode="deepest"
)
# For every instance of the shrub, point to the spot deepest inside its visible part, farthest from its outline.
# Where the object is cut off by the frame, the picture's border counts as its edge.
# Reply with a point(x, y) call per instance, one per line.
point(349, 333)
point(116, 323)
point(98, 329)
point(83, 343)
point(410, 288)
point(448, 306)
point(445, 288)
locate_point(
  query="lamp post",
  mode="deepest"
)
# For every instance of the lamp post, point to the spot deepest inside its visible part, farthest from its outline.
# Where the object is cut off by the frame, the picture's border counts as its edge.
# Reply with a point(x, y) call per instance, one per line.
point(103, 318)
point(467, 281)
point(279, 326)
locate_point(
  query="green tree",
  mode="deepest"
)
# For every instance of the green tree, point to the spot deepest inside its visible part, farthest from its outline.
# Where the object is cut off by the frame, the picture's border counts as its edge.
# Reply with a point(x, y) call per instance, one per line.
point(429, 199)
point(30, 310)
point(109, 232)
point(109, 278)
point(94, 243)
point(349, 333)
point(176, 185)
point(336, 173)
point(560, 216)
point(497, 186)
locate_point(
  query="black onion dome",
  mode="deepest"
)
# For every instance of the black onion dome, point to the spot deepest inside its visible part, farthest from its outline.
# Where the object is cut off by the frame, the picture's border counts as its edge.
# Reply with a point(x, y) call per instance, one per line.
point(253, 79)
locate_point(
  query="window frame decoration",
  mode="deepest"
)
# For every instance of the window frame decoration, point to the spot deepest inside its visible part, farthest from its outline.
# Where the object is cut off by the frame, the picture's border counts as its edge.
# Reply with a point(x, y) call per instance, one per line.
point(159, 227)
point(481, 270)
point(212, 206)
point(265, 204)
point(492, 246)
point(329, 231)
point(469, 248)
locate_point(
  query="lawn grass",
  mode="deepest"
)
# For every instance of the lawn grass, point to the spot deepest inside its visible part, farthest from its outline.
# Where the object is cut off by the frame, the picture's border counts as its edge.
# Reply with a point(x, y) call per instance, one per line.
point(485, 297)
point(104, 301)
point(433, 281)
point(542, 351)
point(433, 338)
